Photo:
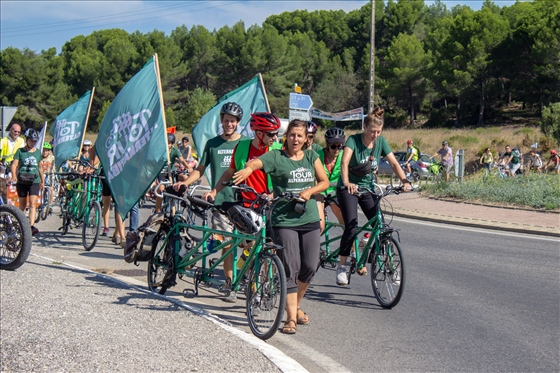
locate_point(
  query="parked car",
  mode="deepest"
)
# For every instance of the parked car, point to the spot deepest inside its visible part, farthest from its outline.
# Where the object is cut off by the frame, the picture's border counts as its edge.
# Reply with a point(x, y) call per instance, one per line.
point(421, 165)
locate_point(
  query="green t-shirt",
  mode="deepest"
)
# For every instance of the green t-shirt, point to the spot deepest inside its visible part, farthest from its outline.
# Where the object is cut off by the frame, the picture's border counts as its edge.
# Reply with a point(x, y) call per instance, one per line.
point(217, 154)
point(291, 176)
point(361, 154)
point(174, 154)
point(28, 162)
point(316, 147)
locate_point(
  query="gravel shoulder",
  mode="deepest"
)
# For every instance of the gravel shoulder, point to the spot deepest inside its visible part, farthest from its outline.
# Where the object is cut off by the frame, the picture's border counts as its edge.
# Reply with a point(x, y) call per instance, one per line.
point(58, 318)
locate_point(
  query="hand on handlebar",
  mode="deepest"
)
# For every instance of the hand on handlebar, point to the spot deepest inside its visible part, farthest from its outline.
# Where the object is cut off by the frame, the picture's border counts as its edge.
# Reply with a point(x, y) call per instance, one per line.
point(352, 188)
point(177, 186)
point(304, 195)
point(210, 196)
point(407, 187)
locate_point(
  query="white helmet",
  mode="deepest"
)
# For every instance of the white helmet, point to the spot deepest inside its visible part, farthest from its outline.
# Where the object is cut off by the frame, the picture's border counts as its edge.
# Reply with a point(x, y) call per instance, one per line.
point(245, 220)
point(87, 142)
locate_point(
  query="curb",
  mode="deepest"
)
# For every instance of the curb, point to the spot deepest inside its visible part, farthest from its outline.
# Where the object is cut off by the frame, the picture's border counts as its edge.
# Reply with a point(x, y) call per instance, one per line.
point(467, 222)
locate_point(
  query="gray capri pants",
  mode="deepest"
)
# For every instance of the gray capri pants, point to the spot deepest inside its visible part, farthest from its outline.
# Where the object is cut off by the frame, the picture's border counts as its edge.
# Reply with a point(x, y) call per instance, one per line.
point(300, 255)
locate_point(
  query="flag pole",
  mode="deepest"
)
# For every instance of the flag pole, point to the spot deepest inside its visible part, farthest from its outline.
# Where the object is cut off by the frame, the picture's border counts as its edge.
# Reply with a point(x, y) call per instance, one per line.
point(264, 91)
point(87, 116)
point(156, 64)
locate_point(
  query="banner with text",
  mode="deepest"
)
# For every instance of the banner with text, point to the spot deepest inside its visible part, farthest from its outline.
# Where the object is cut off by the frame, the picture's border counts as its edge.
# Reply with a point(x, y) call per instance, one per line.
point(354, 114)
point(132, 143)
point(68, 130)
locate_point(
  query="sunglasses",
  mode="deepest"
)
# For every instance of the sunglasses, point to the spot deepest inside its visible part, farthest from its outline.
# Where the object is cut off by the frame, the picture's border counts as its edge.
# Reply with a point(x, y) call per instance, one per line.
point(336, 146)
point(271, 134)
point(310, 136)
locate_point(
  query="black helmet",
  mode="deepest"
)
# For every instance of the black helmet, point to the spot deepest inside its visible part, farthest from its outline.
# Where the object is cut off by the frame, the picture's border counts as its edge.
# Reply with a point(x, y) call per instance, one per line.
point(335, 134)
point(31, 134)
point(232, 108)
point(245, 220)
point(444, 142)
point(171, 138)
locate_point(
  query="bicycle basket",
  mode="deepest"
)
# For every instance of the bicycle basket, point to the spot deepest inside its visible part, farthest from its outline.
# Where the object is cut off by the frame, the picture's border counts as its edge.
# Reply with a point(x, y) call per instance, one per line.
point(139, 243)
point(434, 168)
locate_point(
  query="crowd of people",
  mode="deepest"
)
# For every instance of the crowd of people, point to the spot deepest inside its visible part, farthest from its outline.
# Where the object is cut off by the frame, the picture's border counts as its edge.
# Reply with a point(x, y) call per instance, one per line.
point(322, 177)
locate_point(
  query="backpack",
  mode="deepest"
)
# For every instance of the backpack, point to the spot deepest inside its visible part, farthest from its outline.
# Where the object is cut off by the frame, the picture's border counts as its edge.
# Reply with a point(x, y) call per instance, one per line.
point(417, 151)
point(517, 152)
point(139, 244)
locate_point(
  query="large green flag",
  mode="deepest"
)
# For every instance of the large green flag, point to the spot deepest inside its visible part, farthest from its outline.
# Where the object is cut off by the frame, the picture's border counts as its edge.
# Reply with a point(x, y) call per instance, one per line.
point(251, 96)
point(69, 129)
point(132, 142)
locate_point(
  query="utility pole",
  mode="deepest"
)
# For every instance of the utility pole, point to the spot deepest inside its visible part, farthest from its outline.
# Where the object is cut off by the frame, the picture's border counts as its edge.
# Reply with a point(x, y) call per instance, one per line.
point(372, 59)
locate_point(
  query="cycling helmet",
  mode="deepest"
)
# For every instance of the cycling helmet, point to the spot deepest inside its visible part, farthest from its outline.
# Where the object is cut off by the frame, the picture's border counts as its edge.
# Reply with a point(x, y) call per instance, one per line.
point(335, 134)
point(264, 122)
point(171, 138)
point(232, 108)
point(87, 143)
point(31, 134)
point(47, 145)
point(444, 142)
point(245, 220)
point(311, 128)
point(409, 141)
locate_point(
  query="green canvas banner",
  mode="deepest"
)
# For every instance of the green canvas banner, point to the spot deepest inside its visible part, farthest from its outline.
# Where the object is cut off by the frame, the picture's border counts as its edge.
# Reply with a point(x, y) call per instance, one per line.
point(132, 143)
point(68, 130)
point(251, 96)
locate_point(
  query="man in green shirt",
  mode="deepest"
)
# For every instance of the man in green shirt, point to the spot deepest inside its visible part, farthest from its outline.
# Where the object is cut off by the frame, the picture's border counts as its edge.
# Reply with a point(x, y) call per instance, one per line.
point(217, 154)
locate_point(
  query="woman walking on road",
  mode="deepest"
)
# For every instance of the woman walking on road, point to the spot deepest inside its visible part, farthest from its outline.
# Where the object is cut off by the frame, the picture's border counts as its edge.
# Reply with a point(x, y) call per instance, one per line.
point(295, 224)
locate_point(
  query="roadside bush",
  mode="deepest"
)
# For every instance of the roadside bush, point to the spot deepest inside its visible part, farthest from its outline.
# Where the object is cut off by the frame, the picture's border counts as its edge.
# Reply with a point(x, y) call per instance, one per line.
point(535, 191)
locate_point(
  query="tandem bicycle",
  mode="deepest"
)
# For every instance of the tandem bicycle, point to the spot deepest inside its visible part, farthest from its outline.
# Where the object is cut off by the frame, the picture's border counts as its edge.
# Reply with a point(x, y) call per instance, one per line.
point(181, 249)
point(382, 250)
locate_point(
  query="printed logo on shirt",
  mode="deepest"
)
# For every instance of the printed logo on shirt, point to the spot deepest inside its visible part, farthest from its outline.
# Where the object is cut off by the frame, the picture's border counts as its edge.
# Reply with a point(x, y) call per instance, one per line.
point(301, 175)
point(226, 161)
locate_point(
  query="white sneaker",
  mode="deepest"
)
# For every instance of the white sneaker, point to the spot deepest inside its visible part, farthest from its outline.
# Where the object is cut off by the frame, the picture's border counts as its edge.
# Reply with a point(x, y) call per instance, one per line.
point(341, 276)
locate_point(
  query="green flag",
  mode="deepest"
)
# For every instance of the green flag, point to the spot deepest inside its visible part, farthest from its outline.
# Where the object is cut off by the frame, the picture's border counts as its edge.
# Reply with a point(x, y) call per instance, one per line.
point(69, 129)
point(251, 96)
point(132, 142)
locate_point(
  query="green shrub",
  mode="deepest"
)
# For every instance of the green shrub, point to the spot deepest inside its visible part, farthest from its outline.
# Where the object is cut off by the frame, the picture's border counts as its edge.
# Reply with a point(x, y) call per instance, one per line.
point(535, 191)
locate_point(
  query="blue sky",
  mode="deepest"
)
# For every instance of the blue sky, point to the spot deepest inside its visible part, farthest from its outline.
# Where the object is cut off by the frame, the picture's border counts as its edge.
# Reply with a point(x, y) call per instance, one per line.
point(40, 25)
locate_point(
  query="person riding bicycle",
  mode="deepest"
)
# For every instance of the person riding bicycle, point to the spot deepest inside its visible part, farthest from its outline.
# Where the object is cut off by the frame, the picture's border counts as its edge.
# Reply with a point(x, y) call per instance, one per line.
point(48, 166)
point(265, 127)
point(360, 160)
point(412, 156)
point(186, 150)
point(331, 158)
point(311, 133)
point(511, 159)
point(446, 155)
point(536, 161)
point(28, 175)
point(175, 156)
point(554, 160)
point(295, 223)
point(217, 154)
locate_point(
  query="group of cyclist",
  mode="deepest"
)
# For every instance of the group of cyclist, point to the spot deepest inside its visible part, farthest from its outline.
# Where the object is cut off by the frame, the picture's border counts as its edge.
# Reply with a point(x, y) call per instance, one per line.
point(512, 160)
point(294, 166)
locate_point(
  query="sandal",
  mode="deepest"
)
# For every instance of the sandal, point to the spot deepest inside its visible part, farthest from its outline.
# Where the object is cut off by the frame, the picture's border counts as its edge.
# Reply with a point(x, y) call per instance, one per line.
point(288, 329)
point(302, 320)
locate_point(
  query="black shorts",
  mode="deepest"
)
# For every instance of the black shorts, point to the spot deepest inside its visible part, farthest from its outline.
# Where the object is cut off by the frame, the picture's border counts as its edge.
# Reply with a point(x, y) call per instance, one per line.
point(105, 190)
point(23, 190)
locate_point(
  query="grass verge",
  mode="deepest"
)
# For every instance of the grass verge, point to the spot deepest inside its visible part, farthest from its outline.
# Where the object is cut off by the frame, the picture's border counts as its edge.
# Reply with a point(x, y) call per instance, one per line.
point(534, 191)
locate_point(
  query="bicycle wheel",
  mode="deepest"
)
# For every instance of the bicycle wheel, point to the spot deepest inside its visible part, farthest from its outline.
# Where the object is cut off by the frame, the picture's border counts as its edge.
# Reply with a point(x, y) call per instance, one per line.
point(414, 179)
point(395, 181)
point(161, 275)
point(387, 274)
point(266, 296)
point(15, 237)
point(91, 227)
point(45, 203)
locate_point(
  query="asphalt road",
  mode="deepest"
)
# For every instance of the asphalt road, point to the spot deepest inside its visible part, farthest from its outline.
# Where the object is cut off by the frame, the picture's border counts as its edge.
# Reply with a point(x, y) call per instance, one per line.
point(474, 301)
